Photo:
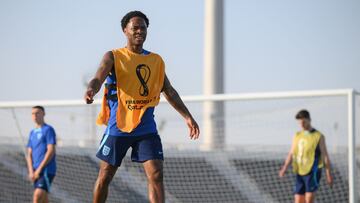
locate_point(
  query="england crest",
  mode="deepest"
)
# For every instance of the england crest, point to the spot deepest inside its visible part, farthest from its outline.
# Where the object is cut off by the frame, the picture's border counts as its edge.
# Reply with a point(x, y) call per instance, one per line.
point(105, 150)
point(39, 135)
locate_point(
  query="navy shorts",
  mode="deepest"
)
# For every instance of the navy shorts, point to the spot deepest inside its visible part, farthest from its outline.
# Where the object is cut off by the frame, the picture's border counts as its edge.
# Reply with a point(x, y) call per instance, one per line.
point(307, 183)
point(44, 181)
point(144, 147)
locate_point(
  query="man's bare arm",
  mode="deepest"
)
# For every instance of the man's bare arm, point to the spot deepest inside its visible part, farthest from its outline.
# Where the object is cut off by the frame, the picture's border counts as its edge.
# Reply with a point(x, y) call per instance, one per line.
point(174, 99)
point(287, 160)
point(29, 163)
point(95, 84)
point(326, 159)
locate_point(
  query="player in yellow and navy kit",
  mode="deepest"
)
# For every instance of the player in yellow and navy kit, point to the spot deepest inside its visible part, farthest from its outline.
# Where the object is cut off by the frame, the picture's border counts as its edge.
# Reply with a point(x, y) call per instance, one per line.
point(308, 154)
point(134, 78)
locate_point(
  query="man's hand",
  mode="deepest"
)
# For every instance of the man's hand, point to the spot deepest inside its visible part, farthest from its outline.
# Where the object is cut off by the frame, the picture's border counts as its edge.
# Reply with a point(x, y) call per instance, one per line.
point(329, 178)
point(89, 96)
point(282, 172)
point(36, 175)
point(31, 176)
point(193, 128)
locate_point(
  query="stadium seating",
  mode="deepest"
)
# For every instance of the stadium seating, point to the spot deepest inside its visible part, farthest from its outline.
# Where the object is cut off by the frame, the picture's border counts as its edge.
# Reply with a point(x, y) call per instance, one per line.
point(187, 179)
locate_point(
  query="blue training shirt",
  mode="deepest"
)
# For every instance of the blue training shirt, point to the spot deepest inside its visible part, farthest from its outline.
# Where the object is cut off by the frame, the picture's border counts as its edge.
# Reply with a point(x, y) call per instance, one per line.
point(39, 138)
point(147, 124)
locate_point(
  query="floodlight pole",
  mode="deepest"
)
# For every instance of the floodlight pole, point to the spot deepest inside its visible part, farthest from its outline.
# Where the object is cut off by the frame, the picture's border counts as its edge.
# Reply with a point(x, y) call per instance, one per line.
point(214, 126)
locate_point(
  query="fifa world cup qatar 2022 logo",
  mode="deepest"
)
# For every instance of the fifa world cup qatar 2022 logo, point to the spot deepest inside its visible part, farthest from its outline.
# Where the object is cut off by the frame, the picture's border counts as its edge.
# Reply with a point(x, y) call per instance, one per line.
point(143, 73)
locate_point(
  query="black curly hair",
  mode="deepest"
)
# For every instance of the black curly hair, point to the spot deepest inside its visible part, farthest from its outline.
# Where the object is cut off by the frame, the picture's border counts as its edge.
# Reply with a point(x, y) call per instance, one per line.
point(125, 20)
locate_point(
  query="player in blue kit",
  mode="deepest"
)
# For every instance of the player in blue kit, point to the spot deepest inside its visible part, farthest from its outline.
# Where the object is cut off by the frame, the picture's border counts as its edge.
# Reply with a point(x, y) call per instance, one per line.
point(41, 155)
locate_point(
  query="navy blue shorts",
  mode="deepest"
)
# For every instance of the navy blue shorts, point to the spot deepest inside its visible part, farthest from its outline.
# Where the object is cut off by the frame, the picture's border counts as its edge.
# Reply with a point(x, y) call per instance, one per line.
point(307, 183)
point(44, 181)
point(144, 147)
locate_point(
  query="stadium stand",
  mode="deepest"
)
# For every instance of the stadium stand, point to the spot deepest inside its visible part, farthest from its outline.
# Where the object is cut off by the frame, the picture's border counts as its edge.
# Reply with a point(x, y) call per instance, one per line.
point(189, 177)
point(265, 173)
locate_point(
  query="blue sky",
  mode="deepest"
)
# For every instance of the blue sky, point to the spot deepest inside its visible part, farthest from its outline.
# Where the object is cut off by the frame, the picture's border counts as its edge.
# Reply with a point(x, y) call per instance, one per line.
point(48, 49)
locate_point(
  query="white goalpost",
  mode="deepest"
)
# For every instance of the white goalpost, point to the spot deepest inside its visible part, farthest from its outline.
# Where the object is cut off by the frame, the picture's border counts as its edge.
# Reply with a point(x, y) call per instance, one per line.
point(257, 133)
point(351, 98)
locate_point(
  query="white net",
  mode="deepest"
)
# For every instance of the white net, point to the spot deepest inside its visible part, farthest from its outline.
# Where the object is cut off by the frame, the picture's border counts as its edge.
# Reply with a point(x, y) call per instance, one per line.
point(258, 135)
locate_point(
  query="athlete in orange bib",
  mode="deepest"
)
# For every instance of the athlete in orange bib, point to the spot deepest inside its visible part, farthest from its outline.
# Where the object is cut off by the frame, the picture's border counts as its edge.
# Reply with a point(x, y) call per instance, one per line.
point(139, 81)
point(134, 80)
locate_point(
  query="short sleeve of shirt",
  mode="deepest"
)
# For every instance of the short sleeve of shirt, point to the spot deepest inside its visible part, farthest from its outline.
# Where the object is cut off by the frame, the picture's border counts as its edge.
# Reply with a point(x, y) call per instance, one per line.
point(50, 136)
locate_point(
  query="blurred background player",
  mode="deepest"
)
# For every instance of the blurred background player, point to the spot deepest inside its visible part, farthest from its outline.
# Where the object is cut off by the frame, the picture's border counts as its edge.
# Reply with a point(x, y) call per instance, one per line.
point(41, 155)
point(308, 153)
point(135, 78)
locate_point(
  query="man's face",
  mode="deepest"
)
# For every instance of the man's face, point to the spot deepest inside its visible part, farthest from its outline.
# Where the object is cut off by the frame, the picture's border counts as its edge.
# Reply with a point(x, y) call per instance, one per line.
point(37, 115)
point(136, 31)
point(304, 123)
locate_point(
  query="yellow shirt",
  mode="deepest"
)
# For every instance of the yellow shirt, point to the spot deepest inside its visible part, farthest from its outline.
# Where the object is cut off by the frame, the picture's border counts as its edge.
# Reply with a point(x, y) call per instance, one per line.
point(139, 81)
point(304, 154)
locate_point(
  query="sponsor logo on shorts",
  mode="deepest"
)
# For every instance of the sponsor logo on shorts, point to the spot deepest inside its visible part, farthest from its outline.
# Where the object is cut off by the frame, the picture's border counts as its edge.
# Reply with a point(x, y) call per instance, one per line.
point(160, 152)
point(105, 150)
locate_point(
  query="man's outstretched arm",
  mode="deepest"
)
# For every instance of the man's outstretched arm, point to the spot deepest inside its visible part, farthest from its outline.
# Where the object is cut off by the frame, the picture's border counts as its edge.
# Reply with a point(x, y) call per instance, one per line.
point(95, 84)
point(174, 99)
point(287, 160)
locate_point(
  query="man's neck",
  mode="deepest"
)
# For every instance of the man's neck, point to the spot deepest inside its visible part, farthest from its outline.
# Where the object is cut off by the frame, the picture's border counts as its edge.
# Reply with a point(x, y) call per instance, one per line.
point(39, 125)
point(135, 48)
point(308, 129)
